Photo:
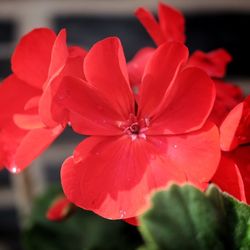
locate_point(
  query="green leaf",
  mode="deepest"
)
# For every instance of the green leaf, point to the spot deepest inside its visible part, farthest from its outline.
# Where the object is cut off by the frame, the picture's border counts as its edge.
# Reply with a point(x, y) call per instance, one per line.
point(238, 223)
point(82, 231)
point(186, 218)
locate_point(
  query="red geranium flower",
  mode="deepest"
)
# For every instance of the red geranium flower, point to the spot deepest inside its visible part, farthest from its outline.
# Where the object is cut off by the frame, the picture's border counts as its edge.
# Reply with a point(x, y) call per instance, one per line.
point(137, 147)
point(40, 60)
point(227, 94)
point(214, 63)
point(171, 25)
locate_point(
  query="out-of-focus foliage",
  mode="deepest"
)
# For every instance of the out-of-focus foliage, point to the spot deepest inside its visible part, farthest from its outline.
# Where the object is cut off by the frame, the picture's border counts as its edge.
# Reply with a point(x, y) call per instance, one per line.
point(81, 231)
point(180, 218)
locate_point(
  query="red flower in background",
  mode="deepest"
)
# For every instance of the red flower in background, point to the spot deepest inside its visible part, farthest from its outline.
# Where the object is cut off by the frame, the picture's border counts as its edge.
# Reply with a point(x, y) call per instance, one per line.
point(60, 209)
point(228, 95)
point(164, 30)
point(161, 32)
point(137, 66)
point(214, 62)
point(14, 95)
point(26, 97)
point(135, 148)
point(171, 27)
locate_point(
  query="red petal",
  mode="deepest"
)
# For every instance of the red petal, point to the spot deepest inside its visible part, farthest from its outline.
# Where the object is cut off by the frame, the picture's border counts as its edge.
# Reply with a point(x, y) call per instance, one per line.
point(31, 59)
point(50, 111)
point(229, 178)
point(136, 67)
point(51, 114)
point(172, 23)
point(74, 65)
point(90, 112)
point(241, 157)
point(59, 55)
point(21, 147)
point(32, 103)
point(105, 68)
point(28, 121)
point(228, 96)
point(76, 51)
point(14, 94)
point(132, 221)
point(159, 75)
point(150, 24)
point(197, 153)
point(214, 62)
point(229, 127)
point(59, 210)
point(113, 176)
point(187, 104)
point(242, 134)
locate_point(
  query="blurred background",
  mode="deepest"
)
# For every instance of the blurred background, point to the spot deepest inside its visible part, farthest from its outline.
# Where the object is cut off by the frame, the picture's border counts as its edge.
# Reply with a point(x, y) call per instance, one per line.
point(210, 24)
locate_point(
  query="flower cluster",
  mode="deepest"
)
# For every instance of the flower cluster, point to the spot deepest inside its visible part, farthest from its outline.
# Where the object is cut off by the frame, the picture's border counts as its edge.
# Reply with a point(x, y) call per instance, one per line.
point(165, 116)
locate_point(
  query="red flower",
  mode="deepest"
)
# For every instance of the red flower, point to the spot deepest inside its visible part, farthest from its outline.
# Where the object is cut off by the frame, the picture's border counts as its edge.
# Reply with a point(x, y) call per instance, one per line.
point(132, 221)
point(135, 148)
point(39, 61)
point(227, 94)
point(13, 96)
point(214, 62)
point(60, 209)
point(170, 27)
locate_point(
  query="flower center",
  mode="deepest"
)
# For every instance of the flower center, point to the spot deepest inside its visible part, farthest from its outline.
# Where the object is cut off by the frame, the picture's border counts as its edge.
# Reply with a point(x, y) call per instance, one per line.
point(135, 128)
